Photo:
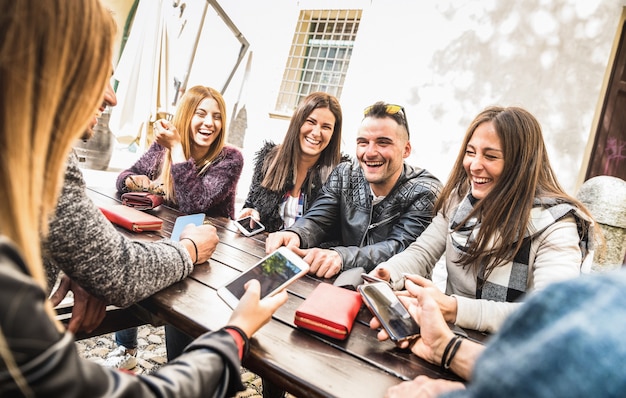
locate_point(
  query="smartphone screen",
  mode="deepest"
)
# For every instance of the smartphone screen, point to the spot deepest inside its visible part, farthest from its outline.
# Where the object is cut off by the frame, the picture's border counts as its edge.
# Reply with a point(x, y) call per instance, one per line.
point(393, 316)
point(273, 272)
point(249, 226)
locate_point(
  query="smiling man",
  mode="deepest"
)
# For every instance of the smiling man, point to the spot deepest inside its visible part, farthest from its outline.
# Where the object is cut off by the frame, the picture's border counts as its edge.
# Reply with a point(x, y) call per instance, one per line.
point(374, 206)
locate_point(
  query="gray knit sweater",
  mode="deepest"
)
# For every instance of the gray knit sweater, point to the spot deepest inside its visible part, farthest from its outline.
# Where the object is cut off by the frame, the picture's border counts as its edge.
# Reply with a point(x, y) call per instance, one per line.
point(118, 270)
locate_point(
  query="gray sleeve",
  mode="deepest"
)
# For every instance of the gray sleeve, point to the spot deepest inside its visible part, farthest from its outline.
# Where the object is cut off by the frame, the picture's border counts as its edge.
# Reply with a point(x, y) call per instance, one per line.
point(84, 244)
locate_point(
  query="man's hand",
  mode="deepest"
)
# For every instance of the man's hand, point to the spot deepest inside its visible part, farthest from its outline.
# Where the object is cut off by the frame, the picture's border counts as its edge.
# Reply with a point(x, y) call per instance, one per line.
point(447, 304)
point(434, 333)
point(324, 263)
point(282, 238)
point(88, 311)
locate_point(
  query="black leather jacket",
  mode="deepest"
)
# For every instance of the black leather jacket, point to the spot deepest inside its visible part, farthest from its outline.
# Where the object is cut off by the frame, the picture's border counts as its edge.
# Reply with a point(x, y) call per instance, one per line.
point(369, 234)
point(51, 366)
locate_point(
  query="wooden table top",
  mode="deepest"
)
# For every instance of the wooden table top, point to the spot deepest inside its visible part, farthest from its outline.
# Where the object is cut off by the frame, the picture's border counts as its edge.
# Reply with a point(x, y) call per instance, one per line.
point(301, 362)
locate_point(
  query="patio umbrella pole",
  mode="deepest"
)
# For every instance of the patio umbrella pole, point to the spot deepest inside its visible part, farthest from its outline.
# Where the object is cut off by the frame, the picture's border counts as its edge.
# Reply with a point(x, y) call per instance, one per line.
point(181, 86)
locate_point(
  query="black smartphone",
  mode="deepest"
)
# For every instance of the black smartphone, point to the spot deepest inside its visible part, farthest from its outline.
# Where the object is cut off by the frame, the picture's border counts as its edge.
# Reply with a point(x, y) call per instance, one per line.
point(274, 272)
point(249, 226)
point(381, 300)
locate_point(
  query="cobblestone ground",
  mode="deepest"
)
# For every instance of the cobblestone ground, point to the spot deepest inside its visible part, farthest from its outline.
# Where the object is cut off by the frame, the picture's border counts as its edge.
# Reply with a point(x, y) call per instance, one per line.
point(151, 355)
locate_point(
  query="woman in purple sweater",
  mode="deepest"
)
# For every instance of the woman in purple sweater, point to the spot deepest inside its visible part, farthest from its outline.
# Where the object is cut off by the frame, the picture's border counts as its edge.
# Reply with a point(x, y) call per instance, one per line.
point(188, 162)
point(190, 166)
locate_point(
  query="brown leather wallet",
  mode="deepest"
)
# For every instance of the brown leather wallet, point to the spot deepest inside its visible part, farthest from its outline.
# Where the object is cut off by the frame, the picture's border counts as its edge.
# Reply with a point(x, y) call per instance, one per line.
point(141, 200)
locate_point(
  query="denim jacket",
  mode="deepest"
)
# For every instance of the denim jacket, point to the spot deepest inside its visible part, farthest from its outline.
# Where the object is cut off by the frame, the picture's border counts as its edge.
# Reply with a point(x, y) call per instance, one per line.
point(565, 341)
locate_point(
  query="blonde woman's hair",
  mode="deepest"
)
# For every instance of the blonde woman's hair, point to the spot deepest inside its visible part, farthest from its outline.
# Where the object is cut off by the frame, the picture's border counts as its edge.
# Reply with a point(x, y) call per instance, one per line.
point(182, 121)
point(55, 61)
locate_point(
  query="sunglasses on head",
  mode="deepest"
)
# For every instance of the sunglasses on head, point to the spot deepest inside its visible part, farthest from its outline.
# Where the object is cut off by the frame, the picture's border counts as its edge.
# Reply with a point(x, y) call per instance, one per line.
point(392, 109)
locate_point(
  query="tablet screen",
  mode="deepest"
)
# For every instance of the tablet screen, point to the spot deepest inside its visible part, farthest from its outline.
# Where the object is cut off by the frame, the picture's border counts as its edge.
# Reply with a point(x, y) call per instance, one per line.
point(271, 273)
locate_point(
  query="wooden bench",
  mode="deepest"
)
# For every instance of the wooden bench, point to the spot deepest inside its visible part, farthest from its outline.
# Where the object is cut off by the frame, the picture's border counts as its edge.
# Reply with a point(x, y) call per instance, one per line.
point(116, 318)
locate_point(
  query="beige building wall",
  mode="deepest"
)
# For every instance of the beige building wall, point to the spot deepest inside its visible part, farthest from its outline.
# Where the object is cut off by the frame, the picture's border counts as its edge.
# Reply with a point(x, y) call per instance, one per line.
point(120, 10)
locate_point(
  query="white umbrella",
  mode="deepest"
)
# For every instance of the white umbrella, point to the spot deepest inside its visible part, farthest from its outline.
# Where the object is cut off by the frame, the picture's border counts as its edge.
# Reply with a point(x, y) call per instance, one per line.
point(143, 75)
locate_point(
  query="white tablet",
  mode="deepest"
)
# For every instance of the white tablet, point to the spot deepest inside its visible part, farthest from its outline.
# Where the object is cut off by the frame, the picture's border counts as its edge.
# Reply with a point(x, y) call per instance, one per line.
point(274, 272)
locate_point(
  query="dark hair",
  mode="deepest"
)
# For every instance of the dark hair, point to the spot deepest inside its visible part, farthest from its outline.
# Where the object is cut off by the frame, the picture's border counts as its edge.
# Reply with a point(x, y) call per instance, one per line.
point(381, 110)
point(281, 166)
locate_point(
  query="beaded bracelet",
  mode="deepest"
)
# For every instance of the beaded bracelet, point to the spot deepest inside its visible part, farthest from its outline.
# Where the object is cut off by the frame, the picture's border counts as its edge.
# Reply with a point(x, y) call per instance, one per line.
point(195, 247)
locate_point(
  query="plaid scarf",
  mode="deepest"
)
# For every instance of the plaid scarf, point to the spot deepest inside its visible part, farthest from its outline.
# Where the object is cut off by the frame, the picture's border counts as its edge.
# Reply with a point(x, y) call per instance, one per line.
point(508, 282)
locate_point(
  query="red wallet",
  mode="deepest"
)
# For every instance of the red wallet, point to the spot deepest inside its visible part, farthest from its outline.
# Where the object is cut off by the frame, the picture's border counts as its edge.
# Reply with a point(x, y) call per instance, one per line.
point(329, 310)
point(131, 219)
point(141, 200)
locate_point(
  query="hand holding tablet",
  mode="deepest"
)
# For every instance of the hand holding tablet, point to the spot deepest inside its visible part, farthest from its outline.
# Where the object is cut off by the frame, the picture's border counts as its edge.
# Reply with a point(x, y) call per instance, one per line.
point(274, 272)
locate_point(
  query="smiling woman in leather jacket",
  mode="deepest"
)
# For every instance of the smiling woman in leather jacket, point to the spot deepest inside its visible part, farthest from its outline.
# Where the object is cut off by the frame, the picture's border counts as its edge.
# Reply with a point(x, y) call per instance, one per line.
point(287, 177)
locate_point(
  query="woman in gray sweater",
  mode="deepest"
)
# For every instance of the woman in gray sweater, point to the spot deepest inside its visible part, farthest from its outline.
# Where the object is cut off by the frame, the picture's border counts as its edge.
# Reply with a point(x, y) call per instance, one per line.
point(504, 223)
point(52, 77)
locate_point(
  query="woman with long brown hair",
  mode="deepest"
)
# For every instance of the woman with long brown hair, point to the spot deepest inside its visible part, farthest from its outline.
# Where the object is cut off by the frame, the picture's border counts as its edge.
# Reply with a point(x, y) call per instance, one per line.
point(504, 223)
point(287, 177)
point(190, 165)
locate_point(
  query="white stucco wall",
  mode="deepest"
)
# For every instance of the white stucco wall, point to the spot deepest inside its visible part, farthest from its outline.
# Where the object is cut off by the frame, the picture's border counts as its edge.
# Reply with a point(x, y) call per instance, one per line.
point(444, 61)
point(454, 58)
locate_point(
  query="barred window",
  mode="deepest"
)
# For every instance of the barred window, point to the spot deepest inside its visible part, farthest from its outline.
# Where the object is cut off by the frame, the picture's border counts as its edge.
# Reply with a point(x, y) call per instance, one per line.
point(319, 56)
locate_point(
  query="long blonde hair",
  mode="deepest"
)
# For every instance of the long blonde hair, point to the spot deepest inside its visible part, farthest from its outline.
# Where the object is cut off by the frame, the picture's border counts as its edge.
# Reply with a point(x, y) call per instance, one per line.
point(182, 121)
point(55, 60)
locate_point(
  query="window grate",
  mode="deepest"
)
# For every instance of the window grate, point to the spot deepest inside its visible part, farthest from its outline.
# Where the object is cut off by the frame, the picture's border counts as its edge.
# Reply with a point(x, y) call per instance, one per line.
point(319, 57)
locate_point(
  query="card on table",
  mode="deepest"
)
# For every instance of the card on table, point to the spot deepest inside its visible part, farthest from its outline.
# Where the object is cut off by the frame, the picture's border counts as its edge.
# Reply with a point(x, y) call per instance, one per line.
point(183, 221)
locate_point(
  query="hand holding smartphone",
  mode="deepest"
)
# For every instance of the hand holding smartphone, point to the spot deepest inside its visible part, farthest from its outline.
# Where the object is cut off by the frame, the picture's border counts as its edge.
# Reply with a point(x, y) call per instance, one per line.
point(381, 300)
point(249, 226)
point(274, 272)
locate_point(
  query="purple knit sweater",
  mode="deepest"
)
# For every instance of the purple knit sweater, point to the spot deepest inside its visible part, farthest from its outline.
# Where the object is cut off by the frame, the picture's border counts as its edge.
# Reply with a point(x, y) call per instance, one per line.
point(213, 193)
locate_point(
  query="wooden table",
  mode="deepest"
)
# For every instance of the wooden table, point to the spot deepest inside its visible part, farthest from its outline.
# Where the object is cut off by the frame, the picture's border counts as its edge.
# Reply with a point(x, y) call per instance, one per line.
point(301, 362)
